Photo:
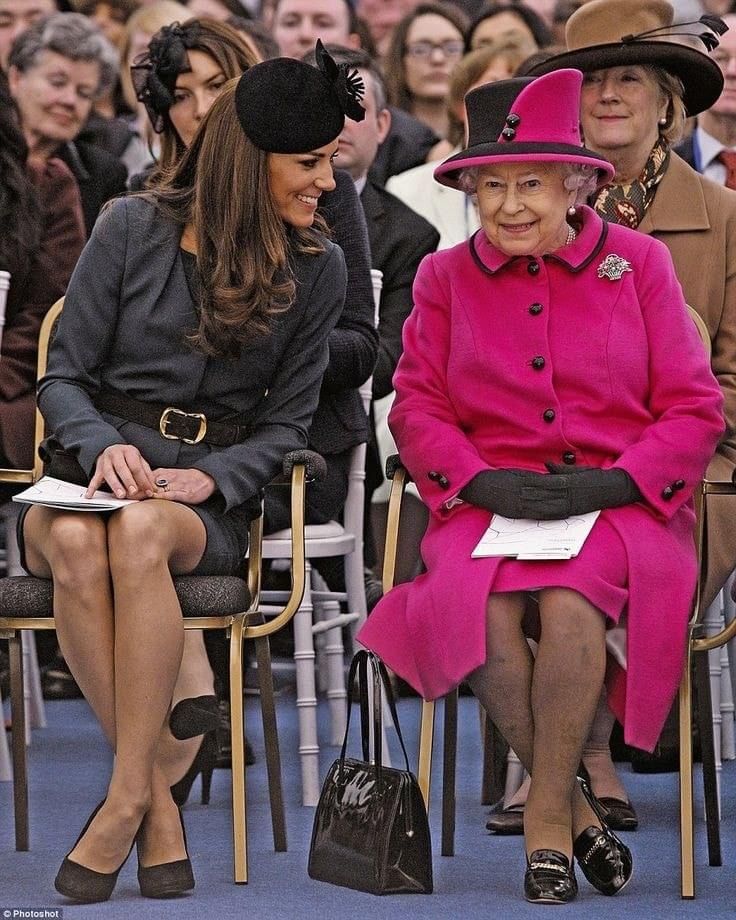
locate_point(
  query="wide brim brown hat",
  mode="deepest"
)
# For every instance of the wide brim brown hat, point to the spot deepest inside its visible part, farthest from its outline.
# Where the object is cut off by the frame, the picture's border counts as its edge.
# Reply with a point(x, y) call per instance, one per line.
point(617, 33)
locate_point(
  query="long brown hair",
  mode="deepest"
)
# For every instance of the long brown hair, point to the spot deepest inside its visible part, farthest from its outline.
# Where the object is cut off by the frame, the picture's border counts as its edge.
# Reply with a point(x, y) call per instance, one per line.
point(221, 188)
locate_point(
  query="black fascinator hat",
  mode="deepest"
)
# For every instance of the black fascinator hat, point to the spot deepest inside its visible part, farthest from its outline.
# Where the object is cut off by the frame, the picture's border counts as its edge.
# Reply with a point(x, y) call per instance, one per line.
point(286, 106)
point(155, 72)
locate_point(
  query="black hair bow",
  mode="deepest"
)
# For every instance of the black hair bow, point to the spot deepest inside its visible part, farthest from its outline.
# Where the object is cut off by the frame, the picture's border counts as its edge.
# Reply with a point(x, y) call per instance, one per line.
point(348, 84)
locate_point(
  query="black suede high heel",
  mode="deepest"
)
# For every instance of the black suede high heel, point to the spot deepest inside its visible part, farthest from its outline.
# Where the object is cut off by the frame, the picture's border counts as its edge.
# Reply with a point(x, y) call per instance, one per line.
point(605, 860)
point(166, 880)
point(82, 884)
point(194, 716)
point(204, 763)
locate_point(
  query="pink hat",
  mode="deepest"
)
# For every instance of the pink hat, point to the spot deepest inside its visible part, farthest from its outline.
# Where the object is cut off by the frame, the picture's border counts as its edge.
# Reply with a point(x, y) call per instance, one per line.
point(524, 119)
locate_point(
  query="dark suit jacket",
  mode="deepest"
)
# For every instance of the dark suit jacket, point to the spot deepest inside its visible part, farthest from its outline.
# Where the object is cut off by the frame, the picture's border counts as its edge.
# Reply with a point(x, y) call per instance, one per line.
point(127, 313)
point(340, 421)
point(685, 150)
point(407, 145)
point(399, 240)
point(100, 176)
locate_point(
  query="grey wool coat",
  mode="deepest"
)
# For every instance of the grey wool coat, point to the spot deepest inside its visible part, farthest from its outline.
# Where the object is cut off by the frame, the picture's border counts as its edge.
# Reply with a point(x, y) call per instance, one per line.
point(126, 316)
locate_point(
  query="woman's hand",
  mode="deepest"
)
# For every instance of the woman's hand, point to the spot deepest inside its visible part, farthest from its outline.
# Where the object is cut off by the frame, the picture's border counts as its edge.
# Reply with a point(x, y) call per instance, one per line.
point(189, 486)
point(125, 471)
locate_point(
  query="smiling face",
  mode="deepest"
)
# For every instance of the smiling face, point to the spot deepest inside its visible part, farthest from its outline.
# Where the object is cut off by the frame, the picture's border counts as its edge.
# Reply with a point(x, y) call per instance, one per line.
point(297, 180)
point(523, 207)
point(194, 94)
point(432, 48)
point(54, 97)
point(620, 108)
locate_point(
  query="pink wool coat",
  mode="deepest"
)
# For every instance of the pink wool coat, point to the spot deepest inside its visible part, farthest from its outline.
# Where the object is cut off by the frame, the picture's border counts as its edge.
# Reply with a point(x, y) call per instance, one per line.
point(628, 384)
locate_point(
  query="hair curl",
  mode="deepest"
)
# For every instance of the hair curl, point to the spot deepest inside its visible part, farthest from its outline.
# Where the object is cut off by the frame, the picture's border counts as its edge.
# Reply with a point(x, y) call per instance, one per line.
point(19, 206)
point(221, 188)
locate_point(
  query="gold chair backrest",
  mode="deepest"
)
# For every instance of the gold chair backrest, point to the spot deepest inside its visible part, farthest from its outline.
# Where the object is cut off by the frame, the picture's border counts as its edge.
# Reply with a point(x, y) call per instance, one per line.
point(701, 327)
point(48, 327)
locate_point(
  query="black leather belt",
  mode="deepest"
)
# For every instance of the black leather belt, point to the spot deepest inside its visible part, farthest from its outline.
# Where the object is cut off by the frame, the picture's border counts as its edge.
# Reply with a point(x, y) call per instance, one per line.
point(172, 423)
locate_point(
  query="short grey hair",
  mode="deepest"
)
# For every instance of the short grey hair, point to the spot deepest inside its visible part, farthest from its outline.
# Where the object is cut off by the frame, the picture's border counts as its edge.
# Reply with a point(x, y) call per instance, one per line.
point(71, 35)
point(576, 177)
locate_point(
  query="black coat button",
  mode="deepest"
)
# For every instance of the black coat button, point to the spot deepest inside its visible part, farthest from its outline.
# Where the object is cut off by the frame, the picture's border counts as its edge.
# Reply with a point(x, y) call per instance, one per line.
point(536, 309)
point(533, 268)
point(548, 415)
point(667, 493)
point(538, 363)
point(569, 457)
point(513, 120)
point(678, 484)
point(443, 482)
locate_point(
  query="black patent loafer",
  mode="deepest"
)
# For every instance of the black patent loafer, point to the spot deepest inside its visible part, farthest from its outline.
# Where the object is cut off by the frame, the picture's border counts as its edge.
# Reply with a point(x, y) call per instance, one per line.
point(549, 878)
point(603, 857)
point(605, 861)
point(506, 821)
point(620, 815)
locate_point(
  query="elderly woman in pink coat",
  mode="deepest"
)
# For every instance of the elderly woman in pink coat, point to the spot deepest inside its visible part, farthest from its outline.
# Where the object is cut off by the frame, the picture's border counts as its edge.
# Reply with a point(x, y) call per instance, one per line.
point(550, 369)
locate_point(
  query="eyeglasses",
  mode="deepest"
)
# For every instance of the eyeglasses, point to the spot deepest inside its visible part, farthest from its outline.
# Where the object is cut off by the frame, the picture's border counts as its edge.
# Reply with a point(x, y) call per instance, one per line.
point(450, 48)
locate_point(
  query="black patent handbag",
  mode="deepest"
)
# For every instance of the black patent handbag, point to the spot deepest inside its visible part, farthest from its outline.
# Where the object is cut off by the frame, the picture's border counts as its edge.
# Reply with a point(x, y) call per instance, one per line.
point(370, 829)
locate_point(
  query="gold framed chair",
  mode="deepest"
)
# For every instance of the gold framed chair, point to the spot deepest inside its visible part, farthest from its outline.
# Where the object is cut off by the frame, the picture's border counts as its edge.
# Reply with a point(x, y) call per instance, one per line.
point(26, 603)
point(696, 672)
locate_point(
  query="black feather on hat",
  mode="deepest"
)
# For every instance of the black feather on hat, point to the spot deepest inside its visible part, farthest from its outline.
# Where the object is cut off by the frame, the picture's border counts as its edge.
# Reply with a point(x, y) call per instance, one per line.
point(286, 106)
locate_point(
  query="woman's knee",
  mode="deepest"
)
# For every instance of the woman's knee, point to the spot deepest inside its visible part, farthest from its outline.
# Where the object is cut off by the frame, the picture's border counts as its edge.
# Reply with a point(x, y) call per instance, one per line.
point(139, 536)
point(75, 546)
point(569, 615)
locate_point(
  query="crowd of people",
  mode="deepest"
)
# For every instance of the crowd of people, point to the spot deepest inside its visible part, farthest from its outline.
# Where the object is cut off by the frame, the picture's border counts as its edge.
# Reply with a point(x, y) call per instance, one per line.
point(210, 184)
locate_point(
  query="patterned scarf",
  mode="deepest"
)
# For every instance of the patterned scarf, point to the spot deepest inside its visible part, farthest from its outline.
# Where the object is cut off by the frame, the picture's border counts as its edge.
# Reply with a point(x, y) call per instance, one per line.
point(627, 204)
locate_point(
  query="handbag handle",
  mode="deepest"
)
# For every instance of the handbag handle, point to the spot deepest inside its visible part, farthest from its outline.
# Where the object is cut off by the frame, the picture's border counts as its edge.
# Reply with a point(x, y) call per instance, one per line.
point(362, 660)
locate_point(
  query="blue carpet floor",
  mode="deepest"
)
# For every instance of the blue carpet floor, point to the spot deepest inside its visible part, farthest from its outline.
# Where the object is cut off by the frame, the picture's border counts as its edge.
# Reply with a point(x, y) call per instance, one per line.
point(484, 880)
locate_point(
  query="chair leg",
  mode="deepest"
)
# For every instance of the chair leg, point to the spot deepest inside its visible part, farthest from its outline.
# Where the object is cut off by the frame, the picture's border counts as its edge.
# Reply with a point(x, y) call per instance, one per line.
point(687, 856)
point(426, 739)
point(6, 767)
point(449, 762)
point(495, 761)
point(704, 716)
point(271, 741)
point(237, 740)
point(331, 662)
point(20, 766)
point(306, 697)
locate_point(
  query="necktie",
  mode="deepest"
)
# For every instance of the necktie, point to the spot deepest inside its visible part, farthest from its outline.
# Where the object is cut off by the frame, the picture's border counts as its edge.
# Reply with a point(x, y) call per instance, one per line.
point(728, 158)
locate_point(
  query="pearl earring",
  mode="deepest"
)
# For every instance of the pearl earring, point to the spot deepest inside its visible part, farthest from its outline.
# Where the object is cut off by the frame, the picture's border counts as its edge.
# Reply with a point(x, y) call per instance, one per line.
point(663, 121)
point(572, 211)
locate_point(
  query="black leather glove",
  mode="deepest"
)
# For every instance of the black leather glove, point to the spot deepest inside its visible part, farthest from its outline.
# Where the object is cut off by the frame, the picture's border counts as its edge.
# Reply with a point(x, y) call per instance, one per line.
point(501, 491)
point(579, 489)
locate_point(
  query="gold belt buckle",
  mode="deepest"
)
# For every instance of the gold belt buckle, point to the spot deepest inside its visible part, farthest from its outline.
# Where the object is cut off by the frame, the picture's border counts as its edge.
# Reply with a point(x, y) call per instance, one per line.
point(171, 410)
